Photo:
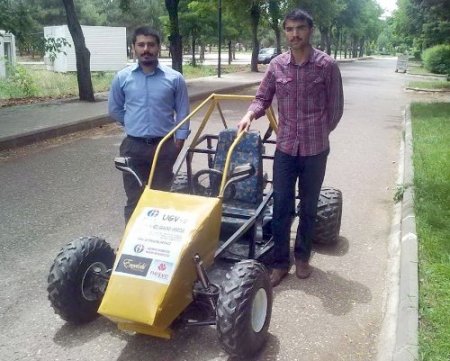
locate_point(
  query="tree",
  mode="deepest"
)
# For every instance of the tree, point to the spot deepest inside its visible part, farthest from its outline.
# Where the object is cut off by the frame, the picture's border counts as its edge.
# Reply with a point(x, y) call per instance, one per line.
point(198, 20)
point(419, 24)
point(252, 10)
point(6, 16)
point(436, 21)
point(176, 43)
point(82, 54)
point(275, 17)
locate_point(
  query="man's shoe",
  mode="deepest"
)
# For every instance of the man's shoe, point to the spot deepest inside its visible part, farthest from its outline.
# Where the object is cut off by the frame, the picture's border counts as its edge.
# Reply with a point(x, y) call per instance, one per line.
point(302, 269)
point(277, 275)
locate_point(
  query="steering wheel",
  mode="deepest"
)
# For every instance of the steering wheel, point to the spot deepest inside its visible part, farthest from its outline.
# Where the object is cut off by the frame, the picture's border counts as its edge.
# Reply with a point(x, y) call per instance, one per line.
point(215, 177)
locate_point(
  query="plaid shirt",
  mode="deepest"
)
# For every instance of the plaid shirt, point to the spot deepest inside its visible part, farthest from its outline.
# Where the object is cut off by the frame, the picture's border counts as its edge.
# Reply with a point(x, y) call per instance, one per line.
point(310, 101)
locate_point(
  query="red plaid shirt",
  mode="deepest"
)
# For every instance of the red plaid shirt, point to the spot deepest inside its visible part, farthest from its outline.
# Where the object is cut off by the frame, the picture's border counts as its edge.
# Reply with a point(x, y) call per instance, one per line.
point(310, 101)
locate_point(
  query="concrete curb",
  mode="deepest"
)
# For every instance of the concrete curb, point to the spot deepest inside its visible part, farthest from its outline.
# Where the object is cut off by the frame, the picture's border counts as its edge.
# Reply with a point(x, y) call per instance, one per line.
point(406, 348)
point(398, 339)
point(428, 90)
point(40, 135)
point(92, 122)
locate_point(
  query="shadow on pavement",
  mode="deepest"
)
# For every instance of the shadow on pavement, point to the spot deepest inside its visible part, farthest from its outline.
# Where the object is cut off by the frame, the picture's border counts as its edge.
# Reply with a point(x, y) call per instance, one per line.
point(190, 343)
point(338, 295)
point(339, 249)
point(70, 336)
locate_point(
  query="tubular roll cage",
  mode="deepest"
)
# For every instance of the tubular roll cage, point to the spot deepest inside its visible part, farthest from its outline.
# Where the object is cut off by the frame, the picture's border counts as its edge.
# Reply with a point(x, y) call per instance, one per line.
point(214, 102)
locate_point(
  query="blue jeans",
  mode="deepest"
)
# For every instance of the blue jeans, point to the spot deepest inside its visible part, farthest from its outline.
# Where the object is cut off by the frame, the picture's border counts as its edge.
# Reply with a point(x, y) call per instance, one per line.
point(310, 172)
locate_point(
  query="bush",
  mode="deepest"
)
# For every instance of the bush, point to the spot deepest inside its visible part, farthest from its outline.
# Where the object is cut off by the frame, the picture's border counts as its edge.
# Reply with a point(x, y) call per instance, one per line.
point(21, 82)
point(437, 59)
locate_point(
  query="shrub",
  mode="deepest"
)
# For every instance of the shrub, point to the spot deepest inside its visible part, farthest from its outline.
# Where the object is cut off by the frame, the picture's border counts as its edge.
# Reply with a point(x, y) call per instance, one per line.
point(437, 59)
point(21, 81)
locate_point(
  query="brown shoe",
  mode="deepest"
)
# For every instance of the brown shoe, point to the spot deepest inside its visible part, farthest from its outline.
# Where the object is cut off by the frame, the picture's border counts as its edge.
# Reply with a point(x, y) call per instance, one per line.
point(302, 269)
point(277, 275)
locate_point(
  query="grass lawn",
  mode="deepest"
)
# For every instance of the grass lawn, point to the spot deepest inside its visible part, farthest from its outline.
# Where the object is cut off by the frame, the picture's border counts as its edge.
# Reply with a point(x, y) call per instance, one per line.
point(431, 133)
point(417, 69)
point(36, 83)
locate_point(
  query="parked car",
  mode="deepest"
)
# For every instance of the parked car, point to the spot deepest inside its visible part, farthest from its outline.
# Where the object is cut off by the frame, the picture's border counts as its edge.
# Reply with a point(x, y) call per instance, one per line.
point(265, 55)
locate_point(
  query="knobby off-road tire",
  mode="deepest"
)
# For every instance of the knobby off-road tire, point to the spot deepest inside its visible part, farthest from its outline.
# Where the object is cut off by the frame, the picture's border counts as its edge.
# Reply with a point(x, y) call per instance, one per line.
point(329, 214)
point(244, 309)
point(180, 183)
point(74, 288)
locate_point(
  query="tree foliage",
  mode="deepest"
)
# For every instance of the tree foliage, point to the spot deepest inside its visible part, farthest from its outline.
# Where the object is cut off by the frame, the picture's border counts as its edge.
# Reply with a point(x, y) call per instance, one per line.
point(420, 24)
point(350, 25)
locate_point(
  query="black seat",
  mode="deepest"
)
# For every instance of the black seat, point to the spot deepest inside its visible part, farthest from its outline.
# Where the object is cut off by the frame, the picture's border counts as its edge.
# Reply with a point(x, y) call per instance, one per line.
point(249, 192)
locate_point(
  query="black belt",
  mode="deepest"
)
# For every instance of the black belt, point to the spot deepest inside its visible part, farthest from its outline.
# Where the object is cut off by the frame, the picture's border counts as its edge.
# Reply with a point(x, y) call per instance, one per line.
point(152, 140)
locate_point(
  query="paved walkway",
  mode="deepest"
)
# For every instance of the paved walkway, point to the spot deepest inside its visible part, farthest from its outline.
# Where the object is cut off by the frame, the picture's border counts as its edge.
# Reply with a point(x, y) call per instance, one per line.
point(25, 124)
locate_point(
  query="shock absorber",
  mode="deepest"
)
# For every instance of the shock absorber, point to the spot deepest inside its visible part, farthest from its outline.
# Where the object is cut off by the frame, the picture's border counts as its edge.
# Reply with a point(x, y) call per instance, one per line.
point(203, 277)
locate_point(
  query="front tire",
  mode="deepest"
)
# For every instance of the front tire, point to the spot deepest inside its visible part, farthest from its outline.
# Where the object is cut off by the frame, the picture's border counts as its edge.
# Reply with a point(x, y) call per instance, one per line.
point(244, 309)
point(78, 279)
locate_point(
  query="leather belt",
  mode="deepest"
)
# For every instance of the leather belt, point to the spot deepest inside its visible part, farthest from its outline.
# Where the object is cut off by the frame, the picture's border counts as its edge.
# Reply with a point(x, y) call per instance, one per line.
point(152, 140)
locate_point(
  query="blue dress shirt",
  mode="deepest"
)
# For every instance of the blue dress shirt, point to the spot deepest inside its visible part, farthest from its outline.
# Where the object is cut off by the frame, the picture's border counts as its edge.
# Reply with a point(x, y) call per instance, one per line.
point(149, 105)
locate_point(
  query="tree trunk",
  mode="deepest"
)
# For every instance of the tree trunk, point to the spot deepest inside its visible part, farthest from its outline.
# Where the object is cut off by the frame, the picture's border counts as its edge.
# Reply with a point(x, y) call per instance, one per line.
point(361, 47)
point(354, 47)
point(82, 54)
point(255, 14)
point(202, 52)
point(328, 40)
point(275, 15)
point(338, 42)
point(325, 40)
point(230, 52)
point(176, 45)
point(193, 51)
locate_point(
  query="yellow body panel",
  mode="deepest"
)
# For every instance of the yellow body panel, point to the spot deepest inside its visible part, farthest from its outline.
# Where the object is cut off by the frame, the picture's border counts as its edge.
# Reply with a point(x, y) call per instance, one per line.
point(154, 272)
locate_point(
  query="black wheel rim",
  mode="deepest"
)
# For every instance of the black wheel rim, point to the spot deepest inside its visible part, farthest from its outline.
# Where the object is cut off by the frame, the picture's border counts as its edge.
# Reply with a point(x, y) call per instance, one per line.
point(94, 281)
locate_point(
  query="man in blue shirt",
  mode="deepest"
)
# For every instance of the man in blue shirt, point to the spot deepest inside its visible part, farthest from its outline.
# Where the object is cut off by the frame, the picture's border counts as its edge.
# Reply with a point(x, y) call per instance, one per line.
point(148, 99)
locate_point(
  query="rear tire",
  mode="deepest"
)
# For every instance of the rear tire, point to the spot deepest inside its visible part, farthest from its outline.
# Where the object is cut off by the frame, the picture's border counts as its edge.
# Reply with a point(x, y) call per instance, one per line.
point(180, 183)
point(329, 214)
point(244, 309)
point(78, 279)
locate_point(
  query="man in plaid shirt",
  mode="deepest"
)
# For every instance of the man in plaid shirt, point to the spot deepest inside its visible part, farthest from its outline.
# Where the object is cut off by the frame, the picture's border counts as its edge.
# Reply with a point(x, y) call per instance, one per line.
point(308, 86)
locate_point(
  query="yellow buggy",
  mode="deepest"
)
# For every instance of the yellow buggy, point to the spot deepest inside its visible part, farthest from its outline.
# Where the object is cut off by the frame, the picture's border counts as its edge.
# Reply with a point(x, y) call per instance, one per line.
point(193, 255)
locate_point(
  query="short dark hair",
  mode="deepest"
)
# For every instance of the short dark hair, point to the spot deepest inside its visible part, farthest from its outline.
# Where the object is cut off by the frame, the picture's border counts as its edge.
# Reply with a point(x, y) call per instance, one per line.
point(147, 31)
point(299, 15)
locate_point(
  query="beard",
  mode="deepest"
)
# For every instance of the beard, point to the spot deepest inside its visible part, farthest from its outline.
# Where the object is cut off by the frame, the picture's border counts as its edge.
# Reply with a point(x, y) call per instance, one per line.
point(148, 60)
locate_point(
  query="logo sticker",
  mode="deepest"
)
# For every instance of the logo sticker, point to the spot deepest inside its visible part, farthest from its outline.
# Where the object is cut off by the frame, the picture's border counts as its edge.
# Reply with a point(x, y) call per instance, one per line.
point(133, 265)
point(139, 248)
point(160, 271)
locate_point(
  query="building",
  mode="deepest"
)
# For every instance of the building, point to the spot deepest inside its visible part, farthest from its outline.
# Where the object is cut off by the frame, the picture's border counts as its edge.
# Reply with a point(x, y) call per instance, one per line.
point(7, 51)
point(107, 45)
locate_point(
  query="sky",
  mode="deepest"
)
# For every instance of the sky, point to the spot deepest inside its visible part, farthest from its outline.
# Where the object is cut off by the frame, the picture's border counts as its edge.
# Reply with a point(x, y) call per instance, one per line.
point(388, 6)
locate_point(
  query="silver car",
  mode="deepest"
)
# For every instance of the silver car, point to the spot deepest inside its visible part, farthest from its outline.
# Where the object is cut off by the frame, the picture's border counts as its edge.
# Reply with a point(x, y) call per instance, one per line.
point(265, 55)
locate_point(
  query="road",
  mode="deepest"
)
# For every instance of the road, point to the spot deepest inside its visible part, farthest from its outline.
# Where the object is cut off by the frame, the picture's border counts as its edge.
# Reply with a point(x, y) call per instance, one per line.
point(62, 189)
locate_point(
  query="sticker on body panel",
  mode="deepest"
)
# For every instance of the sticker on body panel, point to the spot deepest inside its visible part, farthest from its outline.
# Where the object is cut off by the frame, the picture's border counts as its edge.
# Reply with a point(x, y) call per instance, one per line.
point(154, 243)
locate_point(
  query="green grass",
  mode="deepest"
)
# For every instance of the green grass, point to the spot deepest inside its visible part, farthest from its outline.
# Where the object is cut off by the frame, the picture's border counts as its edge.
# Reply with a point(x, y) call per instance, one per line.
point(199, 71)
point(438, 84)
point(417, 69)
point(431, 132)
point(34, 82)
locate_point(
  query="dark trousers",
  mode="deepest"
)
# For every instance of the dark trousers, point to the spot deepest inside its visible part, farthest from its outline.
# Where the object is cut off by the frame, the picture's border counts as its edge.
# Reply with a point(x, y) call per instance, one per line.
point(142, 155)
point(309, 171)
